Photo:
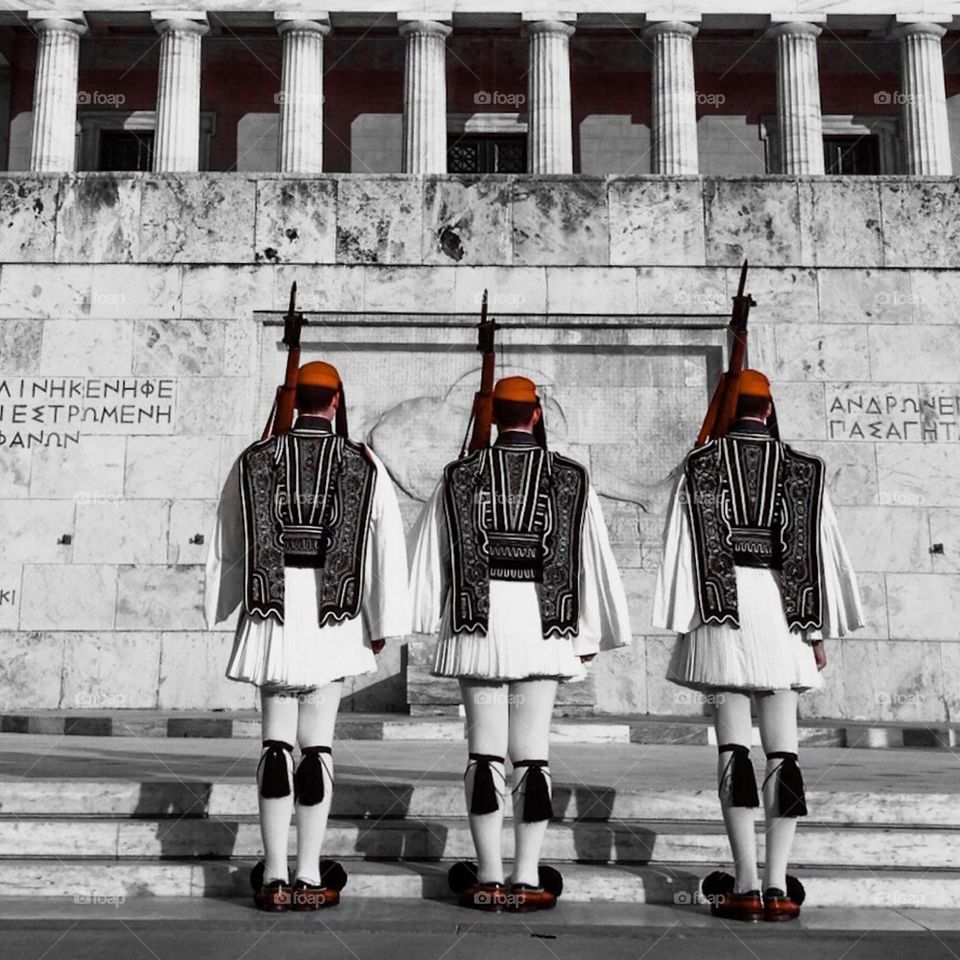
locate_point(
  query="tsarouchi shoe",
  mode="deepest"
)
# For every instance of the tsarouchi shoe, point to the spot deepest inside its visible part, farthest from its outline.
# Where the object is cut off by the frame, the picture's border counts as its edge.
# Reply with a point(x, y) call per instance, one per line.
point(273, 896)
point(484, 896)
point(309, 896)
point(525, 898)
point(778, 907)
point(747, 907)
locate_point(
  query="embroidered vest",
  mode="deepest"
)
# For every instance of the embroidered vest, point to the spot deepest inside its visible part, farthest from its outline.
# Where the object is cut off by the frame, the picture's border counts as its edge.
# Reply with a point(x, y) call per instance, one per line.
point(306, 498)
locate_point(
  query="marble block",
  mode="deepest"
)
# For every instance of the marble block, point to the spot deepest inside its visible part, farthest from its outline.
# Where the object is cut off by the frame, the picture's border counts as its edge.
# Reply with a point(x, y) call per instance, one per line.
point(81, 348)
point(320, 287)
point(931, 354)
point(15, 473)
point(683, 290)
point(810, 351)
point(890, 680)
point(466, 220)
point(226, 291)
point(28, 211)
point(40, 290)
point(111, 671)
point(196, 218)
point(851, 475)
point(934, 296)
point(886, 538)
point(98, 219)
point(172, 467)
point(927, 477)
point(170, 348)
point(800, 410)
point(509, 290)
point(380, 220)
point(945, 529)
point(591, 290)
point(920, 226)
point(19, 347)
point(296, 220)
point(840, 222)
point(621, 679)
point(31, 665)
point(782, 296)
point(559, 221)
point(754, 219)
point(657, 221)
point(121, 531)
point(141, 290)
point(193, 673)
point(216, 406)
point(866, 296)
point(188, 518)
point(11, 580)
point(68, 597)
point(430, 289)
point(93, 468)
point(29, 530)
point(663, 697)
point(923, 606)
point(873, 600)
point(160, 598)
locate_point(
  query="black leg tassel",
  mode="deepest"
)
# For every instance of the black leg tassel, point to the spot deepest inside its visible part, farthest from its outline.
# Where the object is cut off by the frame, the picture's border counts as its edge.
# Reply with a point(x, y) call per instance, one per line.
point(273, 774)
point(537, 804)
point(791, 796)
point(308, 780)
point(484, 797)
point(743, 782)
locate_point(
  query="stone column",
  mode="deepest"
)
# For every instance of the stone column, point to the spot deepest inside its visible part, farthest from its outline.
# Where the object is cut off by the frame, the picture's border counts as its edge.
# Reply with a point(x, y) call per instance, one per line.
point(177, 143)
point(425, 97)
point(799, 123)
point(926, 131)
point(54, 144)
point(301, 96)
point(549, 116)
point(674, 98)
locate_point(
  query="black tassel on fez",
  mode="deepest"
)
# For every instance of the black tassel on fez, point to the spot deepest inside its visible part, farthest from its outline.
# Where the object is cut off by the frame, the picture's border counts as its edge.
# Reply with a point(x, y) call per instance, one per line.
point(484, 797)
point(273, 773)
point(743, 782)
point(791, 796)
point(537, 805)
point(308, 779)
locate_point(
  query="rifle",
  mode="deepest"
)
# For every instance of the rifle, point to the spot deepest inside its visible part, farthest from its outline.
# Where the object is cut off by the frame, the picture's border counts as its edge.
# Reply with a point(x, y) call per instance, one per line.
point(723, 405)
point(281, 414)
point(481, 415)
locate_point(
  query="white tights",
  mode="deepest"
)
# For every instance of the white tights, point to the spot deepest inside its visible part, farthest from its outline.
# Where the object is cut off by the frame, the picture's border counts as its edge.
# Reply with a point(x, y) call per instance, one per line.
point(777, 717)
point(508, 719)
point(307, 719)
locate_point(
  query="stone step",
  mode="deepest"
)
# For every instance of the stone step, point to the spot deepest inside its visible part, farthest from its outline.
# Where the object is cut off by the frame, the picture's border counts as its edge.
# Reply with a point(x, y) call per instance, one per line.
point(98, 881)
point(620, 842)
point(395, 727)
point(438, 799)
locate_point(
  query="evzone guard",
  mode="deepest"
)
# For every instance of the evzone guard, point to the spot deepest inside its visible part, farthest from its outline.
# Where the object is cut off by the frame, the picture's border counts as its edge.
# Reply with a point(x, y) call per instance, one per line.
point(754, 576)
point(513, 567)
point(310, 544)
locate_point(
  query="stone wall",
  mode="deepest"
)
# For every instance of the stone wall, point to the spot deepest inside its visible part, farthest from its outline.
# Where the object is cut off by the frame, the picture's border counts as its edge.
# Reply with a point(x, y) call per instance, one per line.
point(137, 351)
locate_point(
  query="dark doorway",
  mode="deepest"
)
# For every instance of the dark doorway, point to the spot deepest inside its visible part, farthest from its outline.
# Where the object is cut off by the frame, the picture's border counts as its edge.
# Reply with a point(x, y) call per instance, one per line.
point(126, 150)
point(493, 153)
point(852, 156)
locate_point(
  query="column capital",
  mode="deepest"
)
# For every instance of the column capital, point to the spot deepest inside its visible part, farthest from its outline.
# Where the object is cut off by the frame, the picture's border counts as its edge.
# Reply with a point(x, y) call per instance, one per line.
point(66, 21)
point(918, 28)
point(428, 28)
point(181, 21)
point(558, 27)
point(302, 23)
point(793, 28)
point(676, 28)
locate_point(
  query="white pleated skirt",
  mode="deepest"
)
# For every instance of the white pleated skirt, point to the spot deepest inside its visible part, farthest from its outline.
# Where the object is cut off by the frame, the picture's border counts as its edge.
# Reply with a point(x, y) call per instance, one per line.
point(513, 647)
point(763, 654)
point(298, 654)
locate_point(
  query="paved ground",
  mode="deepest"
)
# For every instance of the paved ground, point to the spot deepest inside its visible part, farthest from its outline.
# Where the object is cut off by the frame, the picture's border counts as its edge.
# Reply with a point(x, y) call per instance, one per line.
point(632, 766)
point(358, 930)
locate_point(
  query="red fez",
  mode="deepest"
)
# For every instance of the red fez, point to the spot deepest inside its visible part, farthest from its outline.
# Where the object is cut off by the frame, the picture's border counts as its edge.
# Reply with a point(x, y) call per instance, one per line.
point(516, 390)
point(319, 374)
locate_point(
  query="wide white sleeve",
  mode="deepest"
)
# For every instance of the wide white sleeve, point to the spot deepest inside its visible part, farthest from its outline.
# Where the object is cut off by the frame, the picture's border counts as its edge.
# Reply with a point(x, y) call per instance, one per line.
point(675, 594)
point(386, 597)
point(842, 612)
point(427, 564)
point(223, 585)
point(604, 618)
